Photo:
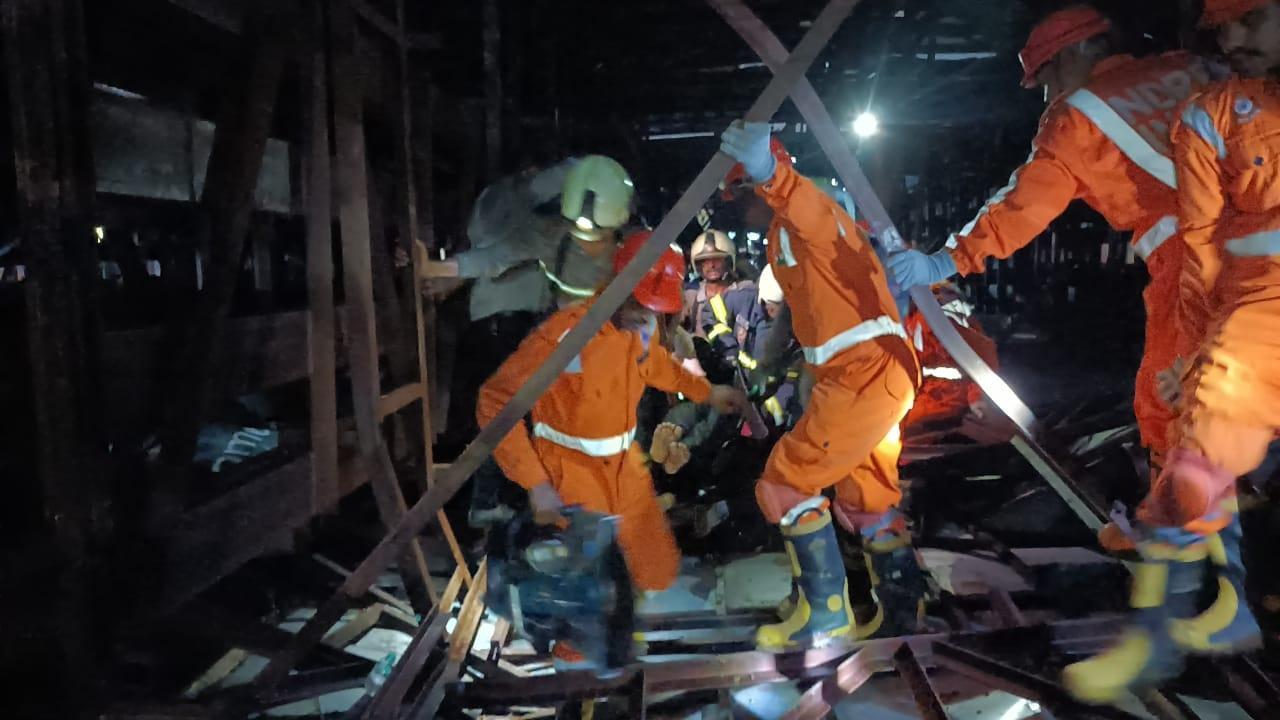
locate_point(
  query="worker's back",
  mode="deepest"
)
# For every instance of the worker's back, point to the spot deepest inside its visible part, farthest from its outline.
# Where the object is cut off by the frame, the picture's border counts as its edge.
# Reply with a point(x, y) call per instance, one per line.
point(1113, 135)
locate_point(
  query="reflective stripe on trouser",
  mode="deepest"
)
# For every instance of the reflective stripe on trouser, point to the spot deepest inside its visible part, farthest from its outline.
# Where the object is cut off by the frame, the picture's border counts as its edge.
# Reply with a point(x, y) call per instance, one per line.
point(847, 438)
point(868, 330)
point(595, 447)
point(620, 486)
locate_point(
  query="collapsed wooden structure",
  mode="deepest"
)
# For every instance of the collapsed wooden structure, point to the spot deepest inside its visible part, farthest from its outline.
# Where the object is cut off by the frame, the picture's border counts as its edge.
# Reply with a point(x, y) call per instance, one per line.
point(351, 63)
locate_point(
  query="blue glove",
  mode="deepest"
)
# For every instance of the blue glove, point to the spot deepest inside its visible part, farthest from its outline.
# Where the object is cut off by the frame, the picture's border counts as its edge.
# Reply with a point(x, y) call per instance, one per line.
point(910, 268)
point(748, 143)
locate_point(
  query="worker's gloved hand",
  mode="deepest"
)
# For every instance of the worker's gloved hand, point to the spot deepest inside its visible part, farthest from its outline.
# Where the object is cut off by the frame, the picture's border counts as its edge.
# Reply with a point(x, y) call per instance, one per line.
point(748, 143)
point(910, 268)
point(727, 400)
point(545, 503)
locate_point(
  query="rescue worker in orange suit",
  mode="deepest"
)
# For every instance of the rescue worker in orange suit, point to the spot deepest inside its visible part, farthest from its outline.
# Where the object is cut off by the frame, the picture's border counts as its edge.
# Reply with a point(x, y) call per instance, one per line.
point(945, 393)
point(1226, 151)
point(866, 375)
point(1104, 140)
point(720, 307)
point(577, 448)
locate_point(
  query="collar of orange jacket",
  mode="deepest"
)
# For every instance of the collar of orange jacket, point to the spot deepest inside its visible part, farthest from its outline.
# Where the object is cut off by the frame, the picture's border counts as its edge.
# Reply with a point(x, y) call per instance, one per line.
point(1108, 64)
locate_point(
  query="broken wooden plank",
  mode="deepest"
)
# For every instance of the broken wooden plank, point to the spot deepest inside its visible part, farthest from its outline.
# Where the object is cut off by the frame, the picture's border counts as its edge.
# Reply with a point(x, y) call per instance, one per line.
point(375, 591)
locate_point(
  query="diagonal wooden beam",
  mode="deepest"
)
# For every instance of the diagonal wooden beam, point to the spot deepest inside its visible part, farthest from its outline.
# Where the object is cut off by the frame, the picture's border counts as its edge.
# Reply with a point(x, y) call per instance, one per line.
point(601, 310)
point(771, 50)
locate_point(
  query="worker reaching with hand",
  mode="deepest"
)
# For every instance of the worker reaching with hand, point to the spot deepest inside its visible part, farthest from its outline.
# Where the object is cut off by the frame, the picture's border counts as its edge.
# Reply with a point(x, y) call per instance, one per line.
point(577, 447)
point(847, 324)
point(1226, 151)
point(1104, 139)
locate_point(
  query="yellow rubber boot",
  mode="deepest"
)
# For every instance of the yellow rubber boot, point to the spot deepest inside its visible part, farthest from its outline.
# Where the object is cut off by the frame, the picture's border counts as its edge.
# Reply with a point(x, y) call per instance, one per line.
point(1164, 589)
point(821, 615)
point(1227, 626)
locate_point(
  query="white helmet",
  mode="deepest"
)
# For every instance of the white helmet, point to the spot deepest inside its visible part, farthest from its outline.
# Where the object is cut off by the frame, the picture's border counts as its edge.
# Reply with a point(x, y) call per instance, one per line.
point(713, 244)
point(770, 290)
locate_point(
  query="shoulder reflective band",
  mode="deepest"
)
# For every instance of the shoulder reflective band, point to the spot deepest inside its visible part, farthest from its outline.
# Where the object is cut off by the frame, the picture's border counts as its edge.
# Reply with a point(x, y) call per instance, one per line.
point(722, 317)
point(1259, 244)
point(595, 447)
point(564, 287)
point(1152, 239)
point(869, 330)
point(1137, 149)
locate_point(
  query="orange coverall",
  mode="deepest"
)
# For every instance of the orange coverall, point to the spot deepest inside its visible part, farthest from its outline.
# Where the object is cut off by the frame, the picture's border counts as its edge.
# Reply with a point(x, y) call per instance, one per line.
point(1087, 149)
point(865, 372)
point(1227, 154)
point(945, 392)
point(582, 428)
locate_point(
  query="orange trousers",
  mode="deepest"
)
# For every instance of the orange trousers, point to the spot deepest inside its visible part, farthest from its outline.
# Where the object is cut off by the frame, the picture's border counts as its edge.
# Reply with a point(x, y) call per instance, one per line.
point(1233, 400)
point(619, 485)
point(848, 437)
point(1158, 353)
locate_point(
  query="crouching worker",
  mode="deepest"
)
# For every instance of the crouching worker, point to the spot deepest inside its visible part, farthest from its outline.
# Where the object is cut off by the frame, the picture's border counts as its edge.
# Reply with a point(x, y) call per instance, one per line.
point(866, 374)
point(576, 448)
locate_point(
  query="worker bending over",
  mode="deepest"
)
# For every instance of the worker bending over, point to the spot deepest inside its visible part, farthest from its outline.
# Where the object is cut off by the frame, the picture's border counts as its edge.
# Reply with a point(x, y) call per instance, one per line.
point(576, 448)
point(1104, 140)
point(1227, 157)
point(866, 374)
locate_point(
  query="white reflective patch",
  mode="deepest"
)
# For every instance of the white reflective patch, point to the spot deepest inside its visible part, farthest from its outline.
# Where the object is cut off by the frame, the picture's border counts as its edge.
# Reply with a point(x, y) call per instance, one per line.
point(869, 330)
point(595, 447)
point(942, 373)
point(1127, 139)
point(1152, 239)
point(575, 366)
point(1261, 244)
point(1197, 119)
point(784, 248)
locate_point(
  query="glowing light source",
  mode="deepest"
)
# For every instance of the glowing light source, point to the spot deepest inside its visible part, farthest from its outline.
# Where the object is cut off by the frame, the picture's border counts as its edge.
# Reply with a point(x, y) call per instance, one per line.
point(866, 125)
point(584, 223)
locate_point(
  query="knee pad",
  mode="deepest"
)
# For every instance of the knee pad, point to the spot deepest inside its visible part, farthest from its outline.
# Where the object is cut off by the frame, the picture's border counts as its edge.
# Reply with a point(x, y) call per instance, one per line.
point(869, 525)
point(776, 500)
point(1189, 488)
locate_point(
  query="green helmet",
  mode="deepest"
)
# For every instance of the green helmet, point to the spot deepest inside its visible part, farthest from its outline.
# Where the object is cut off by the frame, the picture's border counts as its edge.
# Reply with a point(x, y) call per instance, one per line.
point(597, 194)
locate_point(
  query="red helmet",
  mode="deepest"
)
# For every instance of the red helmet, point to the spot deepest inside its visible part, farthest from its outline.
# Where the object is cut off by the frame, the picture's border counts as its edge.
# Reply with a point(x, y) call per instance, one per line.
point(661, 289)
point(738, 174)
point(1057, 32)
point(1221, 12)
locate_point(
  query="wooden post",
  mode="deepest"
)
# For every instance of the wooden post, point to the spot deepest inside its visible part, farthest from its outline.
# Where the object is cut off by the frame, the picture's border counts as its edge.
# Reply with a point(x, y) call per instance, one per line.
point(353, 208)
point(235, 163)
point(320, 315)
point(492, 88)
point(48, 86)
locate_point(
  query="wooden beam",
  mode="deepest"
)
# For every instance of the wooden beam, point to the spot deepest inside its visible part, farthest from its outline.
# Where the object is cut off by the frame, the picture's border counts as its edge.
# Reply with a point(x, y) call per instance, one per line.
point(235, 163)
point(492, 38)
point(464, 635)
point(322, 362)
point(48, 88)
point(398, 399)
point(353, 209)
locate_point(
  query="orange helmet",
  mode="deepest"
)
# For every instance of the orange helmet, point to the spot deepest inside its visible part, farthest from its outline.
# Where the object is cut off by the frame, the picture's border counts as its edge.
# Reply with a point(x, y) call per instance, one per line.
point(738, 174)
point(661, 289)
point(1057, 32)
point(1221, 12)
